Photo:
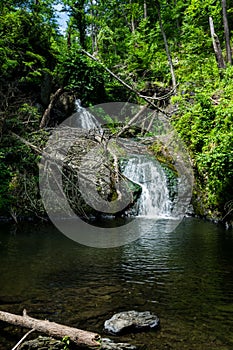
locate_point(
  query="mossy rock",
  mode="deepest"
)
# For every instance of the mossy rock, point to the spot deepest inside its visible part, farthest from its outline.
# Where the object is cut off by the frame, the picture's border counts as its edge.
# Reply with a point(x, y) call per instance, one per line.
point(42, 343)
point(163, 155)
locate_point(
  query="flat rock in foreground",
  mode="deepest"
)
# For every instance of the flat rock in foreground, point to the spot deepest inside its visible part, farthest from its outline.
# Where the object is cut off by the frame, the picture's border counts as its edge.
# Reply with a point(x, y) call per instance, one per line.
point(123, 322)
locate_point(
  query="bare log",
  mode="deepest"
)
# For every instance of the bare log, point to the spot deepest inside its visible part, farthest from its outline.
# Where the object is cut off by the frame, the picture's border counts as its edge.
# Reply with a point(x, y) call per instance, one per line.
point(77, 336)
point(46, 115)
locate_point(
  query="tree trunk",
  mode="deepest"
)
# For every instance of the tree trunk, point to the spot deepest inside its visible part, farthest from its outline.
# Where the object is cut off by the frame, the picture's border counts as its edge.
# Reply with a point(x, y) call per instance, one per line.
point(216, 45)
point(77, 336)
point(79, 16)
point(177, 18)
point(46, 115)
point(93, 29)
point(145, 9)
point(166, 47)
point(132, 17)
point(226, 32)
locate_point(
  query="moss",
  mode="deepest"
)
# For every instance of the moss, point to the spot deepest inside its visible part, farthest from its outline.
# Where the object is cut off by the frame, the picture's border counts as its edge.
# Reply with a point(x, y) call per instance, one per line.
point(163, 156)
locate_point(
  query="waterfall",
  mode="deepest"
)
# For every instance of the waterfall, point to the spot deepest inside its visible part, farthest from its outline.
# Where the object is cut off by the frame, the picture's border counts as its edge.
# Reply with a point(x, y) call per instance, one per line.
point(154, 200)
point(83, 119)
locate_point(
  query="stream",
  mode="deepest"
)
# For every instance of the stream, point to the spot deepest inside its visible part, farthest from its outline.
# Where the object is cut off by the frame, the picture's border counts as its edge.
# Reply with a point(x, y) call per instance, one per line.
point(185, 277)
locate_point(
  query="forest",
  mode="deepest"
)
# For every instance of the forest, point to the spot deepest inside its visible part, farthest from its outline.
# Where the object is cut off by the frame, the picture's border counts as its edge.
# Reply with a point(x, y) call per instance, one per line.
point(177, 48)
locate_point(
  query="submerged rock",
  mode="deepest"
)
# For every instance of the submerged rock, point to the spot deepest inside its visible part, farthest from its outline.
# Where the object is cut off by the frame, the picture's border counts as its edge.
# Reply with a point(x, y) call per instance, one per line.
point(42, 343)
point(108, 344)
point(131, 321)
point(47, 343)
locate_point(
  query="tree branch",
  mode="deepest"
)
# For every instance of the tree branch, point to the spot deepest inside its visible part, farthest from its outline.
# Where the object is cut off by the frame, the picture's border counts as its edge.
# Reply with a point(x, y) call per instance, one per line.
point(46, 115)
point(145, 98)
point(27, 143)
point(22, 339)
point(77, 336)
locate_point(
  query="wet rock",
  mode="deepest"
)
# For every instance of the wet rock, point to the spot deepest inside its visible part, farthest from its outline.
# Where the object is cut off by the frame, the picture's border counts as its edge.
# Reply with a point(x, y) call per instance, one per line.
point(131, 321)
point(89, 161)
point(46, 343)
point(42, 343)
point(108, 344)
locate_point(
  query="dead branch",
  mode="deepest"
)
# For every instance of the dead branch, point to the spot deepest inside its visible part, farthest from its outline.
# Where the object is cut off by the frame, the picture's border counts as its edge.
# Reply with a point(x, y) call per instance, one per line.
point(46, 115)
point(77, 336)
point(132, 120)
point(27, 143)
point(164, 97)
point(145, 98)
point(22, 339)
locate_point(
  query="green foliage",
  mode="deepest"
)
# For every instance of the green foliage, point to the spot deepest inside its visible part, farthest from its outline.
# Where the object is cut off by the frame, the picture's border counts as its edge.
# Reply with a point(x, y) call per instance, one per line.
point(78, 73)
point(163, 156)
point(25, 46)
point(5, 178)
point(26, 118)
point(205, 123)
point(130, 43)
point(26, 56)
point(66, 341)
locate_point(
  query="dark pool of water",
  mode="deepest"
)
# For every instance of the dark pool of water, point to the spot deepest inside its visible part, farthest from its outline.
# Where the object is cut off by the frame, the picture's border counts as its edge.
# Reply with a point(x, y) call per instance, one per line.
point(185, 277)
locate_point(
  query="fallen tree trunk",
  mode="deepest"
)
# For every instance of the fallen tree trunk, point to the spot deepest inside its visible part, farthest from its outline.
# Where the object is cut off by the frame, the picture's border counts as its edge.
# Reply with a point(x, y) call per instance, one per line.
point(77, 336)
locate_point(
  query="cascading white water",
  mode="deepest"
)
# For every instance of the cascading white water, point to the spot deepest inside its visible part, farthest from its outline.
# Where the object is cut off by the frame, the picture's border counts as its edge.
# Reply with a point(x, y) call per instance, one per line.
point(84, 119)
point(154, 200)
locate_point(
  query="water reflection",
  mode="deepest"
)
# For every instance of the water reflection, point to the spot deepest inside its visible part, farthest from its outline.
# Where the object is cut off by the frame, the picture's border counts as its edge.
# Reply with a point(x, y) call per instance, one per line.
point(185, 276)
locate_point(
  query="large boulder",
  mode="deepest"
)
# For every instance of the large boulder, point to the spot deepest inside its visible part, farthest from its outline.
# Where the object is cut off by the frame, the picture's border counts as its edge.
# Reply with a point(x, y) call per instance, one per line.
point(93, 181)
point(131, 321)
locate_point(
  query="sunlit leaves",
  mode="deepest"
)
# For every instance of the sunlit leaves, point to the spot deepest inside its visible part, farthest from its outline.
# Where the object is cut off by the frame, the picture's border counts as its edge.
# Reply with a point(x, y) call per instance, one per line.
point(206, 124)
